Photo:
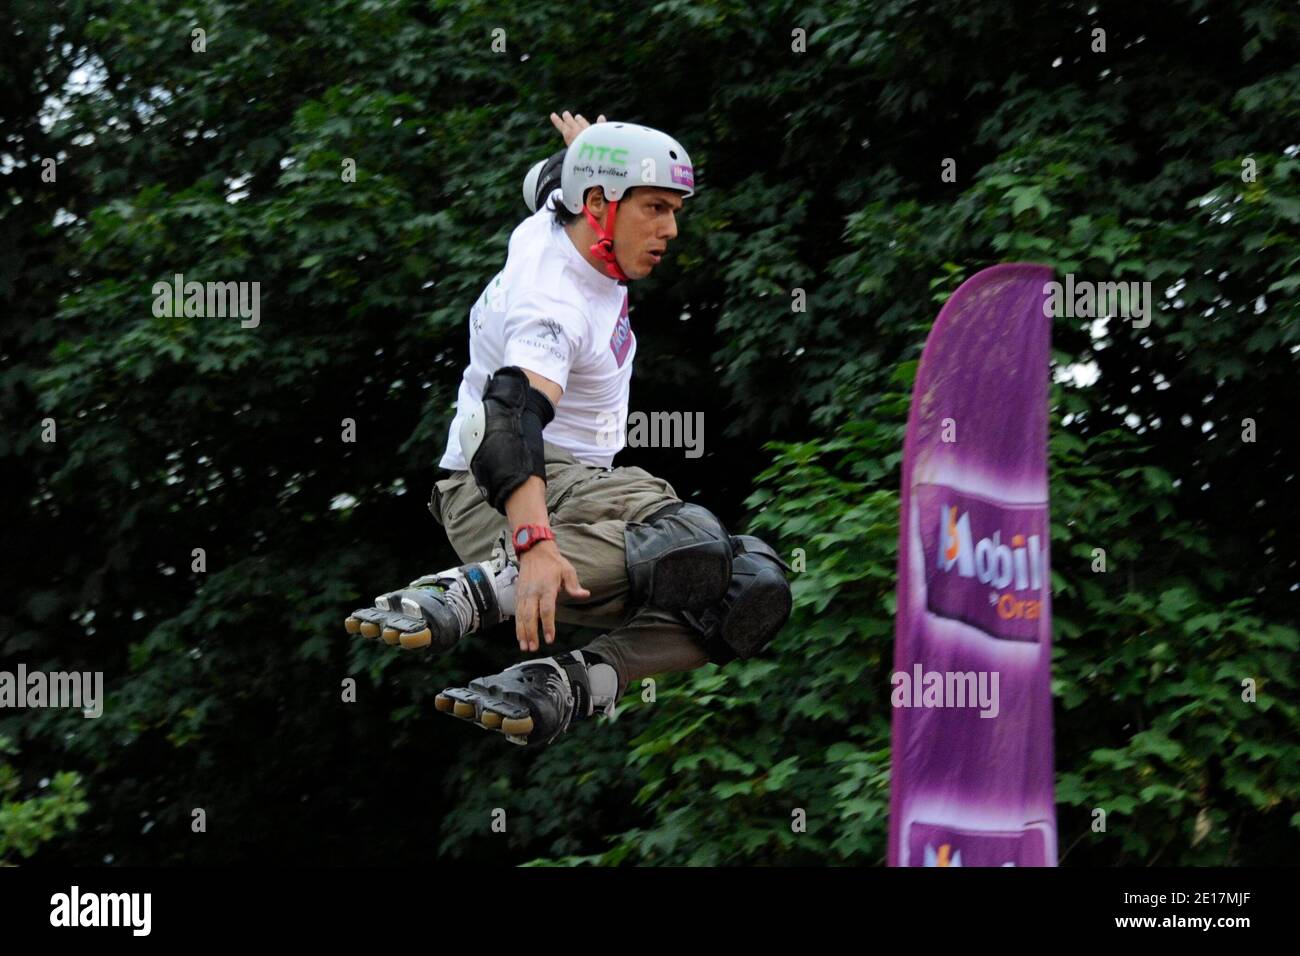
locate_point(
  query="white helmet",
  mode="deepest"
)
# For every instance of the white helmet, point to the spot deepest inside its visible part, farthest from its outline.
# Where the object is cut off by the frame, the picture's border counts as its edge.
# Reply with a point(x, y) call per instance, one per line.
point(619, 156)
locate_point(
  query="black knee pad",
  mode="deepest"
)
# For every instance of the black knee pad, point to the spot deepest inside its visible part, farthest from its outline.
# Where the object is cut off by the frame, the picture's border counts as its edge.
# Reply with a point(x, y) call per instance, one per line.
point(678, 559)
point(754, 609)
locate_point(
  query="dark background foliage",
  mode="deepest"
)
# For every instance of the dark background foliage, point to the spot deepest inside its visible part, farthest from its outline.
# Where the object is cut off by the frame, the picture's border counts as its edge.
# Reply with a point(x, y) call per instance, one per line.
point(817, 171)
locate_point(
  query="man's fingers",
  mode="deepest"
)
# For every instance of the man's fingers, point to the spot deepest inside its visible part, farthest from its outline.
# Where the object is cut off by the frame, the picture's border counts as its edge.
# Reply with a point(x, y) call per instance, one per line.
point(548, 618)
point(570, 125)
point(530, 624)
point(526, 621)
point(571, 584)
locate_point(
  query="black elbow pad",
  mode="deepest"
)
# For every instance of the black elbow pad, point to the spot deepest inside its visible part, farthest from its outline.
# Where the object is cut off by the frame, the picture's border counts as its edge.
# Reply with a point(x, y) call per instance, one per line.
point(503, 443)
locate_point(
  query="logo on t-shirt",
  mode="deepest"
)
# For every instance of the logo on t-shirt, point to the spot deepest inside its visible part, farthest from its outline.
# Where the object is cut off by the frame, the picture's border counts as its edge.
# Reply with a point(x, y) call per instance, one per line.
point(621, 340)
point(552, 328)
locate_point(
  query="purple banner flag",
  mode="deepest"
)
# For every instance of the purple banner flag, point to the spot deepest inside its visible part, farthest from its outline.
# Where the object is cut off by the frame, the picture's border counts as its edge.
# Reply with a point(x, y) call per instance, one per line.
point(971, 778)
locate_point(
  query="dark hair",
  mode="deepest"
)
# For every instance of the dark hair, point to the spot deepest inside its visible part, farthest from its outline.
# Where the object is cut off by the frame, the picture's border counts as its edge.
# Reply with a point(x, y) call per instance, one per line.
point(561, 212)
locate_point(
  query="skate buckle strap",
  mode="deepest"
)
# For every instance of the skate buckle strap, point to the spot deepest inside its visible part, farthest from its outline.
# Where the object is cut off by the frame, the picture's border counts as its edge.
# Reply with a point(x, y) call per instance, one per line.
point(576, 673)
point(481, 592)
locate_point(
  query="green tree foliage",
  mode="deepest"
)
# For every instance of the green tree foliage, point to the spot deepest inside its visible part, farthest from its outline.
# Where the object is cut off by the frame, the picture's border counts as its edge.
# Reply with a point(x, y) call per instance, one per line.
point(819, 179)
point(26, 823)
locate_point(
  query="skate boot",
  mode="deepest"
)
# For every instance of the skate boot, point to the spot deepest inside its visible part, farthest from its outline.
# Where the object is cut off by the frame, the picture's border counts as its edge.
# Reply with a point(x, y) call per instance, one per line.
point(437, 610)
point(533, 702)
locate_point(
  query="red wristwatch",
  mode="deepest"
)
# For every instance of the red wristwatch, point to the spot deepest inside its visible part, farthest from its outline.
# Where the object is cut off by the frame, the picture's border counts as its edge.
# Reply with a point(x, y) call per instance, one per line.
point(527, 535)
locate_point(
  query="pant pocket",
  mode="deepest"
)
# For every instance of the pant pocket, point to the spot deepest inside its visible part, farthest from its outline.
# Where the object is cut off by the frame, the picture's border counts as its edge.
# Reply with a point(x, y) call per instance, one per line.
point(438, 500)
point(561, 482)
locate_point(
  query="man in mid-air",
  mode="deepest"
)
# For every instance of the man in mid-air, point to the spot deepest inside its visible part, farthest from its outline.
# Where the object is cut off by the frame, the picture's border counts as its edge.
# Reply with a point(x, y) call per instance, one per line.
point(548, 529)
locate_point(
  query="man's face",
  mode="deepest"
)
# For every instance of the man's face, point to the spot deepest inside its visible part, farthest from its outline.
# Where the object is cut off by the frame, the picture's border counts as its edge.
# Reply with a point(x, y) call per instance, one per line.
point(645, 224)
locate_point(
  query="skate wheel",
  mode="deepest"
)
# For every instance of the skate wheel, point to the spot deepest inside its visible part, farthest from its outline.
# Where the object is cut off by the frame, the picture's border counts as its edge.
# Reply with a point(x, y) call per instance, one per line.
point(352, 625)
point(369, 630)
point(491, 719)
point(443, 704)
point(391, 636)
point(418, 639)
point(463, 709)
point(517, 726)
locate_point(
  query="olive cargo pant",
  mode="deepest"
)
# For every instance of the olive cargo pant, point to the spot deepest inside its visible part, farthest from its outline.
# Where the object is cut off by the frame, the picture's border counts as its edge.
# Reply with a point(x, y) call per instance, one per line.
point(588, 508)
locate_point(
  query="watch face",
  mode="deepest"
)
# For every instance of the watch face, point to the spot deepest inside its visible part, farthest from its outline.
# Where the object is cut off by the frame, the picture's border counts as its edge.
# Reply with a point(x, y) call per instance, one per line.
point(521, 537)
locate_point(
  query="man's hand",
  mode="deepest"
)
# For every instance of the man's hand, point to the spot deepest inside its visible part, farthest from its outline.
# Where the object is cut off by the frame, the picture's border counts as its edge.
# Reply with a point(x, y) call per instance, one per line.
point(542, 572)
point(570, 126)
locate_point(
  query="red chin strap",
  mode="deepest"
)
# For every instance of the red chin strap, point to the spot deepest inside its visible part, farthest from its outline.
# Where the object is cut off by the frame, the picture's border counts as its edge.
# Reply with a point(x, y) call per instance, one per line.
point(603, 248)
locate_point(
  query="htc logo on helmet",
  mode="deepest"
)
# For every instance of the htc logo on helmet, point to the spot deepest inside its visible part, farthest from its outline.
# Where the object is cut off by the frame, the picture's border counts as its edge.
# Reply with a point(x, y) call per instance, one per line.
point(603, 154)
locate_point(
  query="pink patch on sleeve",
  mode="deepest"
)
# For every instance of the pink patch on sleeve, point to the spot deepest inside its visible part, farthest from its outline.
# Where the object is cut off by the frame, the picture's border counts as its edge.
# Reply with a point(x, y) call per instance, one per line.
point(621, 340)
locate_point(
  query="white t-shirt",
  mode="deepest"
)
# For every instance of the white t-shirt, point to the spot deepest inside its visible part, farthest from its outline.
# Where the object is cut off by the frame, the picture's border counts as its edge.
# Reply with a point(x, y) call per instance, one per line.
point(551, 312)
